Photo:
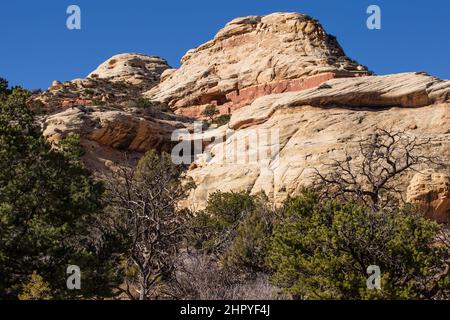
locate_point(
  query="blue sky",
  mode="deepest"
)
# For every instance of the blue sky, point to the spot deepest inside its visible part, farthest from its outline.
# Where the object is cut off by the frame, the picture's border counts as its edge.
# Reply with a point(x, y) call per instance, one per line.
point(36, 47)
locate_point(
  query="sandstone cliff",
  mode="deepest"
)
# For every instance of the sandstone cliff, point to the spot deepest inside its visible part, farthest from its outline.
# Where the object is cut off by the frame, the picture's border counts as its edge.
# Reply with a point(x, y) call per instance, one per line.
point(252, 57)
point(321, 124)
point(278, 73)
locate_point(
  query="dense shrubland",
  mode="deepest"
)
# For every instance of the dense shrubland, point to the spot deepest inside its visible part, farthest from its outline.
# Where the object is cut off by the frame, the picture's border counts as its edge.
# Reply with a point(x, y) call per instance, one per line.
point(132, 241)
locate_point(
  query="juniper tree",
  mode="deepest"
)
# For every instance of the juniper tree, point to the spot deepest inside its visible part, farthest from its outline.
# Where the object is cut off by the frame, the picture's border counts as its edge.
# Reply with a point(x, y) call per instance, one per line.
point(48, 206)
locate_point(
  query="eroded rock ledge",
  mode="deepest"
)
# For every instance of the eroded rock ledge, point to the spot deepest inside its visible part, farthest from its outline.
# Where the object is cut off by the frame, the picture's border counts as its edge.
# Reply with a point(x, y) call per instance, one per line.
point(324, 123)
point(407, 90)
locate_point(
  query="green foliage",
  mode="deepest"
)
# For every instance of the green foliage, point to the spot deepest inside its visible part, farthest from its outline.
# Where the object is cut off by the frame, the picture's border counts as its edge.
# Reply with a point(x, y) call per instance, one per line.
point(3, 88)
point(235, 226)
point(213, 228)
point(49, 206)
point(249, 247)
point(210, 112)
point(228, 208)
point(36, 289)
point(143, 103)
point(222, 120)
point(322, 251)
point(71, 147)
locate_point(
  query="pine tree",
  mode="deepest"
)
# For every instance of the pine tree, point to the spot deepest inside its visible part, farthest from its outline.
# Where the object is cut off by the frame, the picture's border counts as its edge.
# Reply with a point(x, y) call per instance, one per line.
point(49, 205)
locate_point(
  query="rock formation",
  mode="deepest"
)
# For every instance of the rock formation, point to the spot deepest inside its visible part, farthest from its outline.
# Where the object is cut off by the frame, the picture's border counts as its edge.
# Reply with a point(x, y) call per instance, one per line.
point(318, 125)
point(430, 190)
point(110, 133)
point(119, 81)
point(252, 57)
point(285, 81)
point(136, 69)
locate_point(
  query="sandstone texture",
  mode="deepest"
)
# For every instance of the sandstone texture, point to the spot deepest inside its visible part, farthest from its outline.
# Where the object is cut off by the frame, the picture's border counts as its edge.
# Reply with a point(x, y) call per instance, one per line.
point(137, 69)
point(119, 81)
point(431, 191)
point(407, 90)
point(318, 125)
point(288, 87)
point(109, 134)
point(252, 57)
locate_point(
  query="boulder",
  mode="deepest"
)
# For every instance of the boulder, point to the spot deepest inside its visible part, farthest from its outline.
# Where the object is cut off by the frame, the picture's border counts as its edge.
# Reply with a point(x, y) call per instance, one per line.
point(137, 69)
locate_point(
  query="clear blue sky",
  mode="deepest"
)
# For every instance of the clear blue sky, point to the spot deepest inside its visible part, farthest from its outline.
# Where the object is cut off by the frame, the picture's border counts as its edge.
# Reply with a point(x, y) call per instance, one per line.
point(36, 47)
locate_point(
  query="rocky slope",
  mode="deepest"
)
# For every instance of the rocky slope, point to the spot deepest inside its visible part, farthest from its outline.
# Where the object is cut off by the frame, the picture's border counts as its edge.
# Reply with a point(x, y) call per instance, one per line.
point(109, 112)
point(114, 136)
point(284, 80)
point(119, 81)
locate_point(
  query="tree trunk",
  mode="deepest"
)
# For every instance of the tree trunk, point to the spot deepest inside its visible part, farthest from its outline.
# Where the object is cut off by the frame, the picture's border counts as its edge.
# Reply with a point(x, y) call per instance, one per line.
point(142, 292)
point(143, 287)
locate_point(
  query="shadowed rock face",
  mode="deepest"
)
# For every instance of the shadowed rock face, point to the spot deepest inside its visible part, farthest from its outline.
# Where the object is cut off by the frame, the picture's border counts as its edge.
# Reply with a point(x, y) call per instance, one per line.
point(109, 134)
point(252, 57)
point(278, 72)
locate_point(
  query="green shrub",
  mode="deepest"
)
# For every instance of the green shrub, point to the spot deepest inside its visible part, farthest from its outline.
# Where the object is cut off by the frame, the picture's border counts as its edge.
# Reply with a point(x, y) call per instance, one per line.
point(213, 229)
point(235, 227)
point(210, 112)
point(36, 289)
point(249, 246)
point(222, 120)
point(323, 250)
point(71, 147)
point(143, 103)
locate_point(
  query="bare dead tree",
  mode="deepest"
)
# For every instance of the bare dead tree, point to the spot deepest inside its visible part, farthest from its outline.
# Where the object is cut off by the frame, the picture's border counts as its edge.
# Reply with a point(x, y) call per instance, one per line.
point(372, 175)
point(145, 202)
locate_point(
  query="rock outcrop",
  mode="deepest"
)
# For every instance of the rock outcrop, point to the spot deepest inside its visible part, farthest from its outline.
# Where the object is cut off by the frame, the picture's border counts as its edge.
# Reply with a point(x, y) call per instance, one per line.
point(119, 81)
point(312, 127)
point(136, 69)
point(407, 90)
point(252, 57)
point(108, 111)
point(288, 86)
point(108, 134)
